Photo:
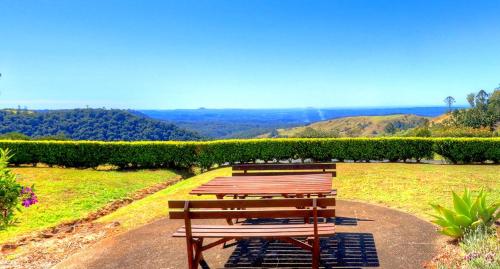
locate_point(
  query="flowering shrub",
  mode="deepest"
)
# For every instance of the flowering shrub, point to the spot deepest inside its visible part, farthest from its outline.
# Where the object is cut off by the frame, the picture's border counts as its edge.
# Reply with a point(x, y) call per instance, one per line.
point(11, 192)
point(478, 249)
point(28, 196)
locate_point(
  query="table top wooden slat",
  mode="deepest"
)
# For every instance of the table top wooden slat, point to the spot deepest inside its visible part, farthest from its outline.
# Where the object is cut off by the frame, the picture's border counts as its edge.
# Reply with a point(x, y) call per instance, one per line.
point(267, 185)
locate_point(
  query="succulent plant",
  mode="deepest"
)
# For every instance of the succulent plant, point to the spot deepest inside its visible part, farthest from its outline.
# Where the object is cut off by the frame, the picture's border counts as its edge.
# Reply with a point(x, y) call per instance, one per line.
point(467, 213)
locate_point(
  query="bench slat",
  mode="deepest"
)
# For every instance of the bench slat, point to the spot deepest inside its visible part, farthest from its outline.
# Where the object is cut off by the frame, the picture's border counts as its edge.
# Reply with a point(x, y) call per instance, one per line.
point(248, 231)
point(284, 166)
point(247, 214)
point(295, 202)
point(334, 174)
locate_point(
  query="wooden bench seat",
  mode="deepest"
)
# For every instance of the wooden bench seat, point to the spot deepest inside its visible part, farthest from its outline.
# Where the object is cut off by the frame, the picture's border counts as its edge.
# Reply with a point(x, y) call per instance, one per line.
point(304, 208)
point(256, 230)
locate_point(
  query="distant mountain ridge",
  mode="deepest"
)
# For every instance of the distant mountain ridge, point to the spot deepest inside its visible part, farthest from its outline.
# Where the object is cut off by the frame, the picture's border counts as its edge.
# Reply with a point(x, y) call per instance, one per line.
point(247, 123)
point(91, 124)
point(359, 126)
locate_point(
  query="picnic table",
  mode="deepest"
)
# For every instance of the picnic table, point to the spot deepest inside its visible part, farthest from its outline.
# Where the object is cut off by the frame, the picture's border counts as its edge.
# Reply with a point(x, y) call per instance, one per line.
point(280, 185)
point(265, 180)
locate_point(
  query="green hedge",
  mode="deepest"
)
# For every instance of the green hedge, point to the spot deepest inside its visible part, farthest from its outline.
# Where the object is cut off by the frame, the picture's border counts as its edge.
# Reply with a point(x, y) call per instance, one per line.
point(207, 154)
point(466, 150)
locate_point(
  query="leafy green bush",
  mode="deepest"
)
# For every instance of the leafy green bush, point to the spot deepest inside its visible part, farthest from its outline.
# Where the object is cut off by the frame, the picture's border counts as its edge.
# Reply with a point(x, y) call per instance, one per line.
point(318, 149)
point(310, 132)
point(460, 131)
point(209, 153)
point(11, 192)
point(466, 214)
point(466, 150)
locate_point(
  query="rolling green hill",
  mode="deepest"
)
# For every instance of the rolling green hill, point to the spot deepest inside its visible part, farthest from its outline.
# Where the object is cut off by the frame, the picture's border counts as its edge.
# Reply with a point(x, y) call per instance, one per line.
point(90, 124)
point(353, 126)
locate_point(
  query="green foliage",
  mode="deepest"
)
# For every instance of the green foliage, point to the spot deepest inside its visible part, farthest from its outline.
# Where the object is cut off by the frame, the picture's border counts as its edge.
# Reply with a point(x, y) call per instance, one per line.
point(90, 124)
point(309, 132)
point(467, 214)
point(481, 249)
point(208, 154)
point(467, 150)
point(478, 249)
point(423, 131)
point(460, 131)
point(14, 136)
point(484, 111)
point(398, 125)
point(10, 191)
point(57, 137)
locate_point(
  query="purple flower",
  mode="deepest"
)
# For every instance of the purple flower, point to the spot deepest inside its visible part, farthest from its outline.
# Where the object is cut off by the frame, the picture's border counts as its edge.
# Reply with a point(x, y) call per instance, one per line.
point(26, 203)
point(471, 256)
point(28, 197)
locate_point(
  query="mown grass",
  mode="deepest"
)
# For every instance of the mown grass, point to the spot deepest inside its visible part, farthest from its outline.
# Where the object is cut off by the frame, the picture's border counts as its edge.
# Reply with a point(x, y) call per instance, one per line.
point(409, 187)
point(155, 206)
point(70, 194)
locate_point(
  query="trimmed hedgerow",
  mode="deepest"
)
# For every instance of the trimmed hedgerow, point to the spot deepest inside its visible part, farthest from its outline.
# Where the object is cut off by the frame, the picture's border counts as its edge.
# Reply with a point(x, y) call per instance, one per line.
point(210, 153)
point(467, 150)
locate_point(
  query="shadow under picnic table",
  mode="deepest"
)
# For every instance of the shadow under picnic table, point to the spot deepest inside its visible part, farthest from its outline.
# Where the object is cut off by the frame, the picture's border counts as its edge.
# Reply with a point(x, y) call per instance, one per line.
point(342, 250)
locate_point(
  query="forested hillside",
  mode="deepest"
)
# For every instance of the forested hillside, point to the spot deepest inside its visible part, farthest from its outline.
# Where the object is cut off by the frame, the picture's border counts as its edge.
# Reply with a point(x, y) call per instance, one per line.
point(90, 124)
point(364, 126)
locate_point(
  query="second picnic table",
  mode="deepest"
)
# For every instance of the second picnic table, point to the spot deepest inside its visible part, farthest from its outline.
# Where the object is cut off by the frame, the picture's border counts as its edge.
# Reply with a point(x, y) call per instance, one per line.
point(280, 185)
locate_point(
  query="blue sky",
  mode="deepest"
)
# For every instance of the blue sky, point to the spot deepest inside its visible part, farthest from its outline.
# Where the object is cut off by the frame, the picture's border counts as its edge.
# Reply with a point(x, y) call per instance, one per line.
point(245, 54)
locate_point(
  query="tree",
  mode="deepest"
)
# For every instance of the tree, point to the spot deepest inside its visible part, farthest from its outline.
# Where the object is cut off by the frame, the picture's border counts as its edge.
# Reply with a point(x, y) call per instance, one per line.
point(390, 128)
point(482, 99)
point(449, 101)
point(494, 103)
point(482, 114)
point(471, 97)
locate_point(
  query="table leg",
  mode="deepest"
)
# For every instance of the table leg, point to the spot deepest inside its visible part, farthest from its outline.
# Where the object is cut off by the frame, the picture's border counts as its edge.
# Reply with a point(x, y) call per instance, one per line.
point(220, 197)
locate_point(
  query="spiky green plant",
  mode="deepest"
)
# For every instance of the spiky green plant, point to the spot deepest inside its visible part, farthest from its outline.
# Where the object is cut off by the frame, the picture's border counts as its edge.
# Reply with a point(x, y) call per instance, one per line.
point(467, 213)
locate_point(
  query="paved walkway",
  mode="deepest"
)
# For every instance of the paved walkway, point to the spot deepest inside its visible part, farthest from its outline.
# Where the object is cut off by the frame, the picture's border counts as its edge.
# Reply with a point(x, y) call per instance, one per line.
point(368, 236)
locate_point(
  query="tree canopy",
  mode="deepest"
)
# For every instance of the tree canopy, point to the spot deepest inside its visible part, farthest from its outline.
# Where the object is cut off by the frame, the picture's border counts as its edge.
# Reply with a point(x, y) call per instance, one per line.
point(89, 124)
point(483, 113)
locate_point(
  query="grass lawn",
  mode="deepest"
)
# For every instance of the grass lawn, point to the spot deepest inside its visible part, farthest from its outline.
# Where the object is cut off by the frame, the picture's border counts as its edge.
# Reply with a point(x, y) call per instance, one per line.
point(70, 194)
point(409, 187)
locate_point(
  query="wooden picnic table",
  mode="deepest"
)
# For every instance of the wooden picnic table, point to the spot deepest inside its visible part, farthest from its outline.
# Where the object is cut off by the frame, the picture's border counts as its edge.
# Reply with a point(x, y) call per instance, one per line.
point(280, 185)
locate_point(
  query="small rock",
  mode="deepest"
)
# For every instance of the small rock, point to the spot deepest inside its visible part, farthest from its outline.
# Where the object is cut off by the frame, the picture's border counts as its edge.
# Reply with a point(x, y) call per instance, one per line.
point(47, 235)
point(7, 247)
point(113, 224)
point(69, 229)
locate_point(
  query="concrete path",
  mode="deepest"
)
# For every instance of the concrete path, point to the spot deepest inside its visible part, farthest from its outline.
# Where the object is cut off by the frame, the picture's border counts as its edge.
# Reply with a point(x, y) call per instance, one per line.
point(368, 236)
